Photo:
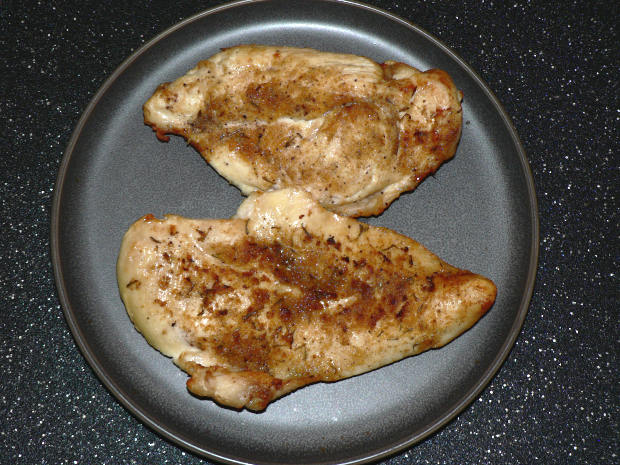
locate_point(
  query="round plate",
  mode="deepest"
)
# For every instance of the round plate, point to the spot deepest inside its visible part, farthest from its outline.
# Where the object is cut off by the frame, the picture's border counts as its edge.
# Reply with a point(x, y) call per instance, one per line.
point(478, 212)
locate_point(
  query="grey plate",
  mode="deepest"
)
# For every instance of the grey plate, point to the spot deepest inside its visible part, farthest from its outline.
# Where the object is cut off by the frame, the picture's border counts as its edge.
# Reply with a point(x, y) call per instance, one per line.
point(478, 212)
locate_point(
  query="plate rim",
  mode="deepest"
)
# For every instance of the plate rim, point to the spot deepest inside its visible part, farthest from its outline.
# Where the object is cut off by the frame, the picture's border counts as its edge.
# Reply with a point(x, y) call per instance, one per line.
point(145, 418)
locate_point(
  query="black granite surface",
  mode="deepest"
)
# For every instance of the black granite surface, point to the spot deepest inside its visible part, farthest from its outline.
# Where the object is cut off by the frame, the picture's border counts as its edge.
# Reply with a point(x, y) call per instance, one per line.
point(554, 65)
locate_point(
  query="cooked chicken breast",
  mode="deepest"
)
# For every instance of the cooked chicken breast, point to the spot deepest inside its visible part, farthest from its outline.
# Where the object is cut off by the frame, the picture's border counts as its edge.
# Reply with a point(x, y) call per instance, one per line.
point(353, 133)
point(286, 294)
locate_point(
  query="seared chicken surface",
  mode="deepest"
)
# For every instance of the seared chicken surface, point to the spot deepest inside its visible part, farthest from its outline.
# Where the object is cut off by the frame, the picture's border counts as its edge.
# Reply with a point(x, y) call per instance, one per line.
point(353, 133)
point(286, 294)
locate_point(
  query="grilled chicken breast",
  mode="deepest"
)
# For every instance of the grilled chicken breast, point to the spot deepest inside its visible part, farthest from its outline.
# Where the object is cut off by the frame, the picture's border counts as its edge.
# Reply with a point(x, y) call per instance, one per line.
point(286, 294)
point(353, 133)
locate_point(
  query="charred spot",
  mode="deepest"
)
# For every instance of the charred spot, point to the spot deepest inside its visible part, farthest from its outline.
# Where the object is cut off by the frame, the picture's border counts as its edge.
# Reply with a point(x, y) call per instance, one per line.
point(186, 262)
point(331, 241)
point(265, 94)
point(346, 311)
point(201, 234)
point(362, 288)
point(375, 317)
point(357, 312)
point(285, 314)
point(259, 297)
point(173, 230)
point(236, 335)
point(420, 136)
point(245, 144)
point(310, 302)
point(134, 284)
point(154, 240)
point(188, 284)
point(402, 312)
point(245, 350)
point(397, 291)
point(339, 272)
point(430, 284)
point(288, 338)
point(164, 282)
point(290, 141)
point(313, 299)
point(208, 293)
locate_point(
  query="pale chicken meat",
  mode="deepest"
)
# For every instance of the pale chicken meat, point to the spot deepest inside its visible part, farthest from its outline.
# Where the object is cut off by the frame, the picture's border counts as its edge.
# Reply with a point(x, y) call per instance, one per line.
point(354, 133)
point(286, 294)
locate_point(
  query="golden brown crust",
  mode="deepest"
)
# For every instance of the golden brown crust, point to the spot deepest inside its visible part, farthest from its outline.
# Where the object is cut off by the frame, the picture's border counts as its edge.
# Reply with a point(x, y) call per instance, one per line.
point(353, 133)
point(287, 294)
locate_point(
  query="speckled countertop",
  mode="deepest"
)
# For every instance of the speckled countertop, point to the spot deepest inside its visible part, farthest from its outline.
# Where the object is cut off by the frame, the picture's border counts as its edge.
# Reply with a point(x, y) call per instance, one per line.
point(554, 65)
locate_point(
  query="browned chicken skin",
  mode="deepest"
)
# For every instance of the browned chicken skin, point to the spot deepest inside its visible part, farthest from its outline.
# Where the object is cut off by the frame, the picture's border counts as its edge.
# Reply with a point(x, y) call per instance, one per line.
point(286, 294)
point(353, 133)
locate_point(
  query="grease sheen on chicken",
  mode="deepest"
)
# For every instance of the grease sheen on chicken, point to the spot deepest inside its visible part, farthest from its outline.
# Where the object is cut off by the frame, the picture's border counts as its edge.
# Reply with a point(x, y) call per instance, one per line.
point(286, 294)
point(354, 133)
